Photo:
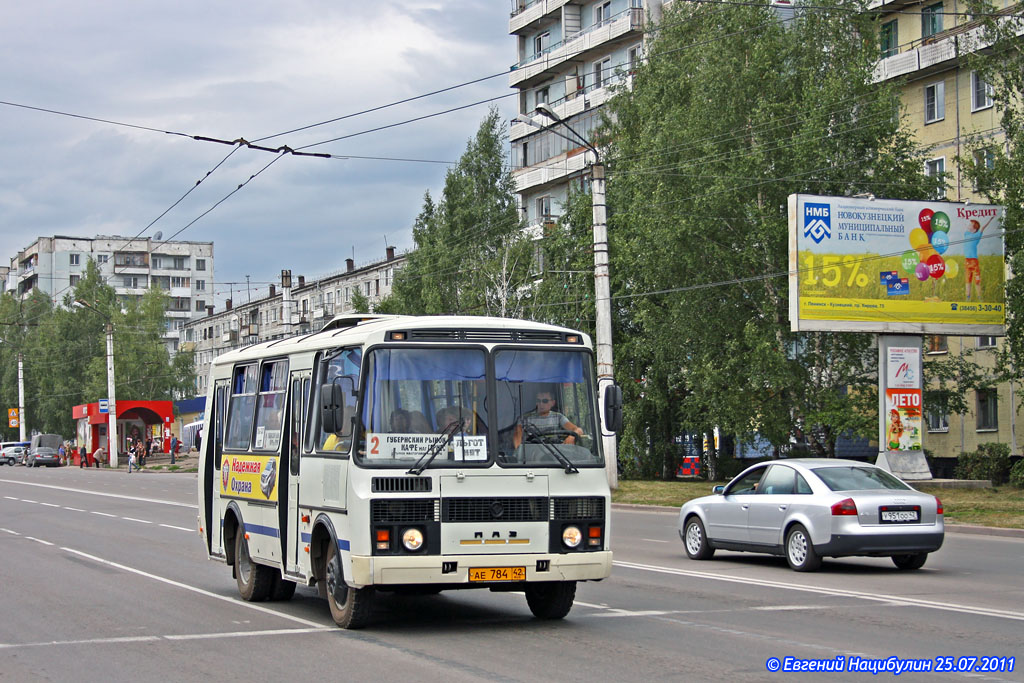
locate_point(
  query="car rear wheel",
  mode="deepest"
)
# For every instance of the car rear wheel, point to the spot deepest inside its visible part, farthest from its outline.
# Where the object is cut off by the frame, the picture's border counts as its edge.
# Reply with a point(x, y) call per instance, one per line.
point(914, 561)
point(800, 551)
point(696, 541)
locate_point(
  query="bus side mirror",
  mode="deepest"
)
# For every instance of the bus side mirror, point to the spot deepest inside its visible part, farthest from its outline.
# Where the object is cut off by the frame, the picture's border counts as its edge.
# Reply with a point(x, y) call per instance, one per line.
point(613, 408)
point(332, 403)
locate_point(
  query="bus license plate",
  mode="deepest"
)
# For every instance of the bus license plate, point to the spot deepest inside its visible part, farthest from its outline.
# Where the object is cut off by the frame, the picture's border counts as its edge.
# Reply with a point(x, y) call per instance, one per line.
point(497, 573)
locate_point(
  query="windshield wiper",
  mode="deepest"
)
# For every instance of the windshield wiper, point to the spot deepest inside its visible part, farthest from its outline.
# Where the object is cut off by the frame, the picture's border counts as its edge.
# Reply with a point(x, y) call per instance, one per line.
point(439, 444)
point(535, 432)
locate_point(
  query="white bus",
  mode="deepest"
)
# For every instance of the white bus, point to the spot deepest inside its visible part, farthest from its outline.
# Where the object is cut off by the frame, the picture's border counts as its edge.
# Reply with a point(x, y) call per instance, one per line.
point(411, 455)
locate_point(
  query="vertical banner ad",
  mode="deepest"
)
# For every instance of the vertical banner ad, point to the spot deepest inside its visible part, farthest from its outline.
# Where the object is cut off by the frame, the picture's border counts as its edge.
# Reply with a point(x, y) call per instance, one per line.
point(895, 266)
point(903, 411)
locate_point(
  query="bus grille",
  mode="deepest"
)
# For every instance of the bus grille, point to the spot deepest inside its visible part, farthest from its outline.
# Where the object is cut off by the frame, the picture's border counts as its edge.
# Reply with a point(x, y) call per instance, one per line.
point(495, 509)
point(403, 511)
point(401, 485)
point(565, 509)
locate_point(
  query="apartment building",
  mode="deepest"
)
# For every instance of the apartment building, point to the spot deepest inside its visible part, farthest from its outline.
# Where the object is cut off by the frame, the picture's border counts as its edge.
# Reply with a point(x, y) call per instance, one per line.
point(926, 45)
point(299, 306)
point(570, 58)
point(183, 269)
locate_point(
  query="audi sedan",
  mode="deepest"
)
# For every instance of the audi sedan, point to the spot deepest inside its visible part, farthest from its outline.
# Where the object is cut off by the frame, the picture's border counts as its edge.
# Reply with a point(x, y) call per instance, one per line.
point(807, 509)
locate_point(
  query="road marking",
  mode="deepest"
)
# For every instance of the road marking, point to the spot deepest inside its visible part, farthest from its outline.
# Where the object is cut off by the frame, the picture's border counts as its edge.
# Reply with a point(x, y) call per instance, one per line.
point(10, 531)
point(50, 505)
point(179, 528)
point(101, 514)
point(172, 637)
point(73, 509)
point(200, 591)
point(38, 540)
point(99, 493)
point(11, 498)
point(875, 597)
point(653, 540)
point(26, 500)
point(140, 521)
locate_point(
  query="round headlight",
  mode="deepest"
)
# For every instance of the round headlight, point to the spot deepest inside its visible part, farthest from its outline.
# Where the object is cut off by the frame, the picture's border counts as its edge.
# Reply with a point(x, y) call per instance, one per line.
point(572, 536)
point(412, 539)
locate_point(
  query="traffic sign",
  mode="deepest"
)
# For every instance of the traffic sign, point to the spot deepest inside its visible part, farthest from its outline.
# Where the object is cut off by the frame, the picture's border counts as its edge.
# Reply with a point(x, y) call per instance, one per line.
point(104, 406)
point(12, 417)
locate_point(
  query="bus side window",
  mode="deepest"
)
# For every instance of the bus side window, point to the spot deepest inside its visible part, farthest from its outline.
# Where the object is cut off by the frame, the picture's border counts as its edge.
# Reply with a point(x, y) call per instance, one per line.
point(240, 411)
point(295, 441)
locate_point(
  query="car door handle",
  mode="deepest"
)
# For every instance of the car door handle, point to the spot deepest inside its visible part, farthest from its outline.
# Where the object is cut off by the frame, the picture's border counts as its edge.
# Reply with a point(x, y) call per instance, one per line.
point(745, 506)
point(783, 507)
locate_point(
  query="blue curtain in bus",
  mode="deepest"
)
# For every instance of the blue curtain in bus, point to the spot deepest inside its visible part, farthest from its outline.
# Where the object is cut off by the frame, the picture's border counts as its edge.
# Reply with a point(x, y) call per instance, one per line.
point(428, 364)
point(539, 366)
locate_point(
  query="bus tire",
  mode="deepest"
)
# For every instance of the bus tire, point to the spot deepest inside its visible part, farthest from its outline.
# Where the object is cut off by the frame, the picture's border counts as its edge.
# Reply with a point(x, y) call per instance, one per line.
point(254, 580)
point(551, 600)
point(350, 607)
point(282, 589)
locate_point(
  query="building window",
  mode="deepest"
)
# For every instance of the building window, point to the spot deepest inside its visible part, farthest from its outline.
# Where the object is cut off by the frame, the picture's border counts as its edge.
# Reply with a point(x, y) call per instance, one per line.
point(544, 209)
point(180, 263)
point(938, 419)
point(180, 282)
point(200, 264)
point(305, 306)
point(935, 102)
point(984, 163)
point(541, 42)
point(986, 342)
point(541, 96)
point(931, 20)
point(602, 72)
point(602, 13)
point(936, 343)
point(633, 57)
point(130, 282)
point(888, 39)
point(102, 258)
point(936, 167)
point(200, 285)
point(74, 280)
point(981, 92)
point(76, 259)
point(200, 305)
point(988, 410)
point(366, 288)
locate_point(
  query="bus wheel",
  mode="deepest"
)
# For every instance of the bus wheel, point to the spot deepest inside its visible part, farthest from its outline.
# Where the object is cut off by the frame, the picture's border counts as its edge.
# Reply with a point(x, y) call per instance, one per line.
point(254, 580)
point(283, 589)
point(550, 600)
point(350, 607)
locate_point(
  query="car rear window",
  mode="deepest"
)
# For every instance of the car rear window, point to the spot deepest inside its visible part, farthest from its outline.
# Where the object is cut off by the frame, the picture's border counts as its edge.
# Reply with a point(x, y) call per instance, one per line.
point(858, 479)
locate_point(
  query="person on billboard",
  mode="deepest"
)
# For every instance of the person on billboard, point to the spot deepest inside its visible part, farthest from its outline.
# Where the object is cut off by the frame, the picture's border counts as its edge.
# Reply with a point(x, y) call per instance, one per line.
point(895, 430)
point(973, 270)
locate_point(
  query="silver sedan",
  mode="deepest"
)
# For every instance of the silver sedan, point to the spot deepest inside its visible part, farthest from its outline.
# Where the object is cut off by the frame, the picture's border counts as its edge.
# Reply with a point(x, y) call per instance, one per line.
point(807, 509)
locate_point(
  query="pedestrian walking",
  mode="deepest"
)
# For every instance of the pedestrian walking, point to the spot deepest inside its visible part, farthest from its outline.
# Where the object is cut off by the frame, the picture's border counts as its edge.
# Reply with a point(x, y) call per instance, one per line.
point(199, 439)
point(149, 449)
point(174, 447)
point(82, 460)
point(131, 461)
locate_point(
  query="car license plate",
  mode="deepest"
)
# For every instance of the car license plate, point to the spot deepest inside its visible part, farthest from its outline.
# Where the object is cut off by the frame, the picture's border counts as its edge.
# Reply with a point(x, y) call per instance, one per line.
point(497, 573)
point(895, 514)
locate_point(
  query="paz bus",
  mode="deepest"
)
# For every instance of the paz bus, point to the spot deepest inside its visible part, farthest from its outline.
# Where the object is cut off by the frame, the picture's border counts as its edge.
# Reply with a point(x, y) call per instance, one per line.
point(409, 455)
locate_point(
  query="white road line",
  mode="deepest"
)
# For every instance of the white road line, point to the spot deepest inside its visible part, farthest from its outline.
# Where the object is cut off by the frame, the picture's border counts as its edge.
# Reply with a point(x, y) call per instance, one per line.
point(73, 509)
point(653, 540)
point(99, 493)
point(38, 540)
point(101, 514)
point(140, 521)
point(50, 505)
point(11, 498)
point(200, 591)
point(26, 500)
point(179, 528)
point(173, 637)
point(13, 533)
point(875, 597)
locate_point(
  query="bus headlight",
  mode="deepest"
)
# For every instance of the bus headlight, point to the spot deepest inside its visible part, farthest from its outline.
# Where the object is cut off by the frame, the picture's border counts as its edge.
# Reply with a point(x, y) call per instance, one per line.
point(571, 537)
point(412, 539)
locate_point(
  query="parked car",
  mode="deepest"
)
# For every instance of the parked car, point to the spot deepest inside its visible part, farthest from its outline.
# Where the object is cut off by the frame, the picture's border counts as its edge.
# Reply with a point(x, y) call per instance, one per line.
point(43, 455)
point(807, 509)
point(12, 455)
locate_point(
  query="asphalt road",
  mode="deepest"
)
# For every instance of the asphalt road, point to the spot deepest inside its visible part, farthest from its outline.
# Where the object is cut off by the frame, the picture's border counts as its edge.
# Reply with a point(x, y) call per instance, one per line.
point(104, 577)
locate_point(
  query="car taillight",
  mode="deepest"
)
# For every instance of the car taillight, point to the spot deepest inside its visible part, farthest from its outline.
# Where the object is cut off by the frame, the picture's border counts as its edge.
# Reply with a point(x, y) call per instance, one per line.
point(938, 506)
point(845, 507)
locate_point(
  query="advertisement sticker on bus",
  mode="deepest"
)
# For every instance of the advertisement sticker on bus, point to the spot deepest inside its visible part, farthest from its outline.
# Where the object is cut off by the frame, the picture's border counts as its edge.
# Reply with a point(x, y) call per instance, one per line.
point(251, 477)
point(463, 447)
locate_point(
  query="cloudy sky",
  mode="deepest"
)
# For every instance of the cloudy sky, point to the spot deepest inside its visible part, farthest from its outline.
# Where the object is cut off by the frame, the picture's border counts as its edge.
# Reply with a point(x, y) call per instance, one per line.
point(239, 69)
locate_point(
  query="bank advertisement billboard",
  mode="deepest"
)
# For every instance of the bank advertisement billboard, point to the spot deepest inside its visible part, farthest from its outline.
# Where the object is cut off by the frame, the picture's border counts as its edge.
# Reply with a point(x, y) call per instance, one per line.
point(886, 265)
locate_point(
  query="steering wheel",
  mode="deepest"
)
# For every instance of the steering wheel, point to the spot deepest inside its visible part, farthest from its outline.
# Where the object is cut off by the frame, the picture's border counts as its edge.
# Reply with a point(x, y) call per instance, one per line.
point(552, 436)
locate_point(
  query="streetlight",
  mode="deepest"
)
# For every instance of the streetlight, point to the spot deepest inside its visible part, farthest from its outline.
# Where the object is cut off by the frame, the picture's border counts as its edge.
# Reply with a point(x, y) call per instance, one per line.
point(602, 287)
point(21, 397)
point(111, 401)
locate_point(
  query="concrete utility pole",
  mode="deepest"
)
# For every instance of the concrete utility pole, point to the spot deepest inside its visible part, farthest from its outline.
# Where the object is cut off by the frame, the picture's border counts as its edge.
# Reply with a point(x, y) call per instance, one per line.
point(21, 399)
point(602, 286)
point(111, 398)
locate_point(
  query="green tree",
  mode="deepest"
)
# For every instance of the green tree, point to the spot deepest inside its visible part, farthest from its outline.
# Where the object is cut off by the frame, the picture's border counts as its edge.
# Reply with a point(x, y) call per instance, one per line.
point(471, 257)
point(732, 112)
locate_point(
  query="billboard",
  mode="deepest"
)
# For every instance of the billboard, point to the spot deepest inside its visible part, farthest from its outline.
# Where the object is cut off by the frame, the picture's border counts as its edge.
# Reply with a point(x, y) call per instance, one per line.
point(895, 266)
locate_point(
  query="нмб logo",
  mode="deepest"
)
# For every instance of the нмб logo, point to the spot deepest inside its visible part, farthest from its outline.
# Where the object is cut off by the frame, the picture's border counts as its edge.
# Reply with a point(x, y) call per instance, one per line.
point(817, 221)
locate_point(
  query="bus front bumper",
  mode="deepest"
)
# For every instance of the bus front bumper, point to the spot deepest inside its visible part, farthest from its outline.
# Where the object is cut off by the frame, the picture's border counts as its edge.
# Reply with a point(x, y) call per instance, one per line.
point(454, 569)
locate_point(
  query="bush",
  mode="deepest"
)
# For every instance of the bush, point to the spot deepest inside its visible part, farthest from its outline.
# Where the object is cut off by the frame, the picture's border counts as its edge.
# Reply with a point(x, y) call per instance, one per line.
point(1017, 474)
point(991, 461)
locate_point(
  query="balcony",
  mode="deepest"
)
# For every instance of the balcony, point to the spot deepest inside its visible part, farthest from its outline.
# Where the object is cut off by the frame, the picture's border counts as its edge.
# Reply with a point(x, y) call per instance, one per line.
point(229, 336)
point(576, 102)
point(575, 46)
point(550, 171)
point(531, 11)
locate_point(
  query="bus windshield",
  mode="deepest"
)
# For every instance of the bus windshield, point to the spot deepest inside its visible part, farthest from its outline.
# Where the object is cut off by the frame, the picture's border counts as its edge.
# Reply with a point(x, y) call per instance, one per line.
point(545, 408)
point(412, 395)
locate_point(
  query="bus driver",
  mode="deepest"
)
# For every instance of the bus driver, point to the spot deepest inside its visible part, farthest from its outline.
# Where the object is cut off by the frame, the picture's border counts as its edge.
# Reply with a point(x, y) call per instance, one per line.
point(546, 420)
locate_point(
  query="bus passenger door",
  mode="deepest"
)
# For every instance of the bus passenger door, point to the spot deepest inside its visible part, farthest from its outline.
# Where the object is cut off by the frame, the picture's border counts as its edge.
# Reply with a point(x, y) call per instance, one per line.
point(214, 442)
point(298, 400)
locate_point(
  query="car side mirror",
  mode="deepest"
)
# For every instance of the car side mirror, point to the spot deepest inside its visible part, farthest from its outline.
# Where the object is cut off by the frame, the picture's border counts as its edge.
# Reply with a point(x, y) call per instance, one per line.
point(720, 489)
point(613, 408)
point(332, 403)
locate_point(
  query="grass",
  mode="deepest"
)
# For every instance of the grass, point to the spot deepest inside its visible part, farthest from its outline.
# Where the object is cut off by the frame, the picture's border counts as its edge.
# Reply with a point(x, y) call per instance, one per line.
point(998, 507)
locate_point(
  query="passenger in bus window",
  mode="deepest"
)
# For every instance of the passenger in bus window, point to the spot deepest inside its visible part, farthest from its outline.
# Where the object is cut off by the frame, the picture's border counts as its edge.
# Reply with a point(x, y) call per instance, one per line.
point(418, 423)
point(400, 421)
point(446, 416)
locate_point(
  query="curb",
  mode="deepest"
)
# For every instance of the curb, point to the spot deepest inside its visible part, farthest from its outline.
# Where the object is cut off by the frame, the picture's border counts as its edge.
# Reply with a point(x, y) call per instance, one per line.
point(951, 527)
